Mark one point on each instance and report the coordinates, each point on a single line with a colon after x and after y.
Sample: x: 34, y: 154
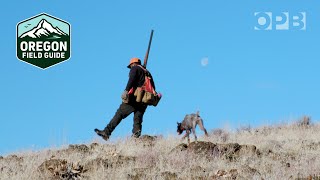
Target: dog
x: 189, y: 124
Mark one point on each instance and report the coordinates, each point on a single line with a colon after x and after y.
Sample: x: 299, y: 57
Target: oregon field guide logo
x: 43, y: 40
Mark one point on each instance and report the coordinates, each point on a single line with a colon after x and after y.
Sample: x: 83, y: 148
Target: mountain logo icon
x: 43, y: 41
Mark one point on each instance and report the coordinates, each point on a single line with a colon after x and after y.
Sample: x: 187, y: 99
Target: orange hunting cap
x: 134, y: 60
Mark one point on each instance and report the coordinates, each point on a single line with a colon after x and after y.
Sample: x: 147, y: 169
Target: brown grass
x: 288, y: 151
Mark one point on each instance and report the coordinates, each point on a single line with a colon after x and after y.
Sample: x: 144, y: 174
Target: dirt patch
x: 244, y: 172
x: 313, y: 146
x: 94, y: 145
x: 13, y: 158
x: 169, y: 175
x: 249, y: 172
x: 180, y: 147
x: 227, y: 151
x: 147, y: 140
x: 79, y: 148
x: 75, y: 148
x: 97, y: 163
x: 108, y: 163
x: 60, y: 169
x: 139, y: 173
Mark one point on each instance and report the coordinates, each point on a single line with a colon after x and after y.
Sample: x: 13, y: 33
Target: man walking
x: 129, y: 104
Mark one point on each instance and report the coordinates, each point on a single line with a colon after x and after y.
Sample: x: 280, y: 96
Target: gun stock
x: 148, y: 50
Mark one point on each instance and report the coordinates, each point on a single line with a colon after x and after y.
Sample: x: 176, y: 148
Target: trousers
x: 125, y: 110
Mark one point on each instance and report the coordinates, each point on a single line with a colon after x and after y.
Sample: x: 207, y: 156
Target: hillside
x: 286, y: 151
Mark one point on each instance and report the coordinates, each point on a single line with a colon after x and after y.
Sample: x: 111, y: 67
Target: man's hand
x: 125, y: 96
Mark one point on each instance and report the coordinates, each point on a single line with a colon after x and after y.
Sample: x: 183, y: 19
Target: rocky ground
x: 288, y: 151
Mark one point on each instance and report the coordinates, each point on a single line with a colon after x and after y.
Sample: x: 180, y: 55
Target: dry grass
x: 287, y: 151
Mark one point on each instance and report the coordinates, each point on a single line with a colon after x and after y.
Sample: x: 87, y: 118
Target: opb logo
x: 280, y: 21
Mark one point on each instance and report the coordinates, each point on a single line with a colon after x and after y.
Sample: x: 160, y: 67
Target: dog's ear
x: 198, y: 113
x: 177, y: 122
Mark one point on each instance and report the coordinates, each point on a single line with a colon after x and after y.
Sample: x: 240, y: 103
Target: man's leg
x: 137, y: 120
x: 123, y: 111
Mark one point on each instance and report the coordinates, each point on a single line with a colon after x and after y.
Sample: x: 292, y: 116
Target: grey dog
x: 189, y: 123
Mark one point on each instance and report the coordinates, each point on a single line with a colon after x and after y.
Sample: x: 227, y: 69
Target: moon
x: 204, y: 61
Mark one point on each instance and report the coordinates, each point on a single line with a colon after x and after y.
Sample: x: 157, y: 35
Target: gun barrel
x: 148, y: 50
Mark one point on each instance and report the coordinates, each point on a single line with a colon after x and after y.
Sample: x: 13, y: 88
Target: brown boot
x: 136, y: 134
x: 102, y: 134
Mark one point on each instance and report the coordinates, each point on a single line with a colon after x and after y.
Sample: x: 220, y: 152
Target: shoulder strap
x: 142, y: 68
x: 145, y: 70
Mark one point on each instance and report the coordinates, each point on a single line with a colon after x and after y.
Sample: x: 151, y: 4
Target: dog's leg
x: 202, y: 128
x: 187, y: 134
x: 184, y: 136
x: 194, y: 133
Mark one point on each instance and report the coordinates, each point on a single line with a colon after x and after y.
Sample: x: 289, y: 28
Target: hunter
x: 129, y: 103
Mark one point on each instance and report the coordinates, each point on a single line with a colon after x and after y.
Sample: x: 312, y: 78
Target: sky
x: 206, y: 56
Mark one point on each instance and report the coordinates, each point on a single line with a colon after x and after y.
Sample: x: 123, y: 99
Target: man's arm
x: 132, y: 78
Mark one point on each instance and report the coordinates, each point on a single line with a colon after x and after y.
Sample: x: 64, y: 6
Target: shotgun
x: 148, y: 50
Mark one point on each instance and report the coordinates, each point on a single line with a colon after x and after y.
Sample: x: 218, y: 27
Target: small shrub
x: 220, y: 134
x: 305, y: 121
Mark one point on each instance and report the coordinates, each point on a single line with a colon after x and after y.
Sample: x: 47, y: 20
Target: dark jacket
x: 136, y: 78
